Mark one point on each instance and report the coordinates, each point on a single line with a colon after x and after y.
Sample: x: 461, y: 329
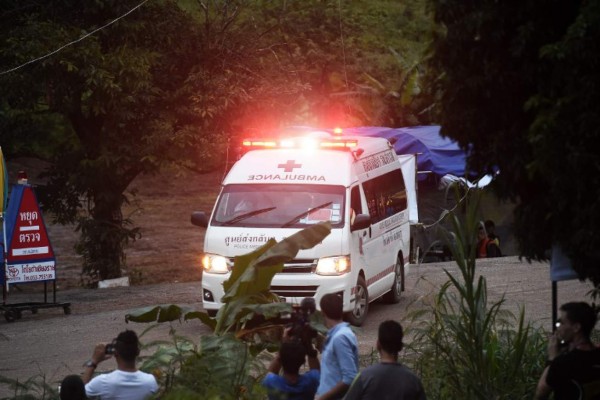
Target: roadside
x: 52, y: 344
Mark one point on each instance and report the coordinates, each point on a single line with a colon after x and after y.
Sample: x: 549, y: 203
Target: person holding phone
x: 573, y: 370
x: 126, y: 382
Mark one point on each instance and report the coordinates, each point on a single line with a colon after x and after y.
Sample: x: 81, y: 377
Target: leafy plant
x: 466, y: 346
x: 230, y: 362
x: 34, y: 388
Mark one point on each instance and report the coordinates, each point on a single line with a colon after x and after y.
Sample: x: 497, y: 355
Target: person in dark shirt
x: 389, y: 379
x: 574, y: 361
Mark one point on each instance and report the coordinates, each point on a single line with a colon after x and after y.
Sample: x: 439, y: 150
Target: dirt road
x: 53, y: 344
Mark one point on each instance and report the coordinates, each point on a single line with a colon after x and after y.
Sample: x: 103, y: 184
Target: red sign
x: 29, y: 240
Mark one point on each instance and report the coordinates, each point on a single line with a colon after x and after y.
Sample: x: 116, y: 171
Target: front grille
x: 299, y: 266
x: 294, y: 291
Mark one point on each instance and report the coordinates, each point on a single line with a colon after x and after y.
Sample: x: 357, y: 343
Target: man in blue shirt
x: 292, y: 385
x: 339, y: 358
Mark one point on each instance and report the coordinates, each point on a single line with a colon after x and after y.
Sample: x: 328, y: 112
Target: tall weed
x: 466, y: 346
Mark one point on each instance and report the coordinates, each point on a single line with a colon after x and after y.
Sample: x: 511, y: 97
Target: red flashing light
x: 339, y: 144
x: 259, y: 143
x: 337, y: 131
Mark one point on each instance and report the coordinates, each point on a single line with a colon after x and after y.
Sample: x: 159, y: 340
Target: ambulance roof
x: 304, y: 165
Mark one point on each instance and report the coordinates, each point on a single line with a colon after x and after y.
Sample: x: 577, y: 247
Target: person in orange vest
x: 486, y: 247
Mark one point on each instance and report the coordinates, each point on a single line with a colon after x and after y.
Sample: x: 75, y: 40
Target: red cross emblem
x: 289, y: 166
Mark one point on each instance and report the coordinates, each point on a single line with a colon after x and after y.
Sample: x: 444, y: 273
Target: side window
x: 355, y: 202
x: 386, y: 195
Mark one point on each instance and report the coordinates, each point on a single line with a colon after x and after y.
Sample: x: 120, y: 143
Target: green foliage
x: 564, y: 136
x: 518, y: 87
x: 34, y: 388
x: 466, y: 346
x: 177, y: 82
x: 101, y: 245
x: 229, y: 363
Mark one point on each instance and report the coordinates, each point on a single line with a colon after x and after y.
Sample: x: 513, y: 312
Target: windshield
x: 279, y: 206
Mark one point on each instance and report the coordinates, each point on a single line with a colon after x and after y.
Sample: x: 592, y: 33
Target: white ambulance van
x: 281, y: 186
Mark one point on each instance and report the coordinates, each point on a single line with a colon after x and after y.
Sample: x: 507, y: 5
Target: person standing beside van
x: 339, y: 358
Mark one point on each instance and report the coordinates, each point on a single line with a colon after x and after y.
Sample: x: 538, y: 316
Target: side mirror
x: 199, y: 218
x: 361, y: 221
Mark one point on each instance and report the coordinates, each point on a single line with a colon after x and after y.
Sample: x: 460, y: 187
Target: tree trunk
x: 103, y: 236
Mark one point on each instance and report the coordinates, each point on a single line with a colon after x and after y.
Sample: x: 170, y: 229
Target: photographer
x: 292, y: 385
x: 126, y: 382
x: 573, y: 370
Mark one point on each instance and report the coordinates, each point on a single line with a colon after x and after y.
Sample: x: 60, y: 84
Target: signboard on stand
x: 30, y: 257
x: 29, y: 254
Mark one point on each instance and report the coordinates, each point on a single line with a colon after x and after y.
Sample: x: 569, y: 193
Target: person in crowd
x: 573, y: 370
x: 486, y: 248
x: 389, y: 379
x: 292, y: 385
x: 126, y: 382
x: 339, y: 358
x: 490, y: 228
x: 72, y: 388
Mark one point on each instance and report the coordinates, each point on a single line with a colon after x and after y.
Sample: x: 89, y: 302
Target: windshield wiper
x: 247, y: 215
x: 304, y: 214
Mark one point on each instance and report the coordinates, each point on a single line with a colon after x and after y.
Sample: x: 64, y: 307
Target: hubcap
x: 360, y: 302
x: 398, y: 279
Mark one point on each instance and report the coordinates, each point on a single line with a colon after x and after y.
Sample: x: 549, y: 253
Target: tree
x: 517, y: 90
x: 119, y: 97
x: 171, y: 82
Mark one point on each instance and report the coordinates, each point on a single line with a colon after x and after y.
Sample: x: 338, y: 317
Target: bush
x: 464, y: 346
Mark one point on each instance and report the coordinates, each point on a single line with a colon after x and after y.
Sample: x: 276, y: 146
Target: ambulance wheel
x: 361, y: 303
x: 18, y: 314
x: 9, y: 315
x: 393, y: 296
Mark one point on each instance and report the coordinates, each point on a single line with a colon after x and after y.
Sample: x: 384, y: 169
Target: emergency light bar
x: 338, y: 144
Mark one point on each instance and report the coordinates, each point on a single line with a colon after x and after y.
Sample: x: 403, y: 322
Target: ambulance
x: 281, y: 186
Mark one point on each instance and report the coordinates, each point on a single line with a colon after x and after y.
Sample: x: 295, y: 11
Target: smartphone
x: 109, y: 349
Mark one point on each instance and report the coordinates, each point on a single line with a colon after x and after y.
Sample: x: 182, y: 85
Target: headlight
x: 215, y: 264
x: 333, y: 265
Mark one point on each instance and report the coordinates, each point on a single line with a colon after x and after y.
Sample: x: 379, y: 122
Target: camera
x: 109, y: 348
x: 300, y: 328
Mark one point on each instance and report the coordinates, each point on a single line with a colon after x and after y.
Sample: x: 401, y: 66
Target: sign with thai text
x: 31, y: 272
x: 29, y: 239
x: 29, y: 254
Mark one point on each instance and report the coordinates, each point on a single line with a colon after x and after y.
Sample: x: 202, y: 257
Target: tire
x: 9, y: 316
x: 67, y: 310
x: 393, y: 296
x: 361, y: 304
x: 212, y: 313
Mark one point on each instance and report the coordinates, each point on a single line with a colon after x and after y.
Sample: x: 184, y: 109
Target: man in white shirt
x: 124, y: 383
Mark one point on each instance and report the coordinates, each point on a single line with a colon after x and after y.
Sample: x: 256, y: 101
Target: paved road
x: 53, y: 344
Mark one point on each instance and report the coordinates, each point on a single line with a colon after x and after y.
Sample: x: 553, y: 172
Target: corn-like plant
x: 465, y: 346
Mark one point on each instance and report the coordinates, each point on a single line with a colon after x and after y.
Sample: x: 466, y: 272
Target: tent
x: 439, y: 155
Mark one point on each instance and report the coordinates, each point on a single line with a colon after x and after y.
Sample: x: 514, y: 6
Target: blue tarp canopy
x: 435, y: 153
